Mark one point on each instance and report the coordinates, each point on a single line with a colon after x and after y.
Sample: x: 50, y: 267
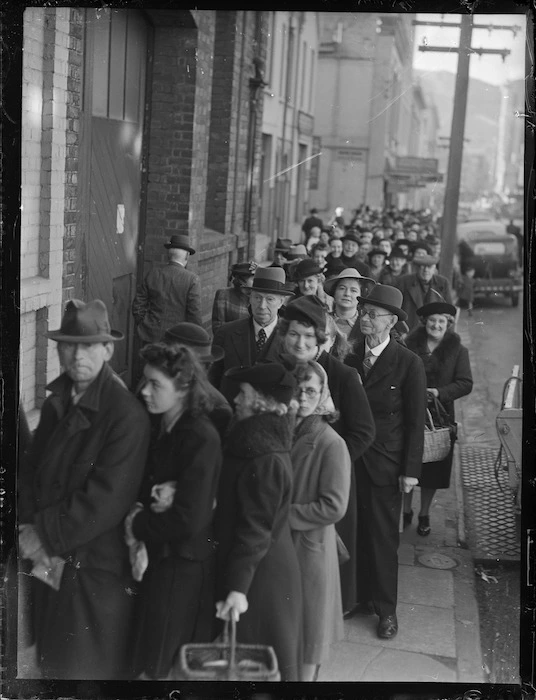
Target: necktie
x: 367, y: 362
x: 261, y: 339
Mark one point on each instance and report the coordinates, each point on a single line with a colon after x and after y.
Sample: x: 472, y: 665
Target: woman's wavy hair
x: 303, y: 372
x: 267, y: 404
x: 342, y: 346
x: 284, y: 324
x: 181, y: 364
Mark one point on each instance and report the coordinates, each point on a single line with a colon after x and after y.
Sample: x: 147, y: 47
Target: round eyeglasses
x: 372, y: 314
x: 308, y: 391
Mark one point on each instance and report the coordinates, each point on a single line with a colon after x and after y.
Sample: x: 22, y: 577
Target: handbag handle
x: 432, y: 427
x: 442, y: 414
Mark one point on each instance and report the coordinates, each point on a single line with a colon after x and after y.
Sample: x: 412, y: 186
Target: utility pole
x: 452, y: 189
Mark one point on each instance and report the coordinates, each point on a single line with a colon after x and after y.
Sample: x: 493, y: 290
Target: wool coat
x: 230, y: 304
x: 256, y: 555
x: 396, y: 390
x: 167, y: 295
x: 82, y: 476
x: 321, y: 489
x: 176, y: 597
x: 237, y: 339
x: 414, y: 298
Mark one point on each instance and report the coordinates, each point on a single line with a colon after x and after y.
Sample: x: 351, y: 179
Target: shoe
x: 423, y: 528
x: 366, y: 608
x: 408, y: 517
x: 387, y: 627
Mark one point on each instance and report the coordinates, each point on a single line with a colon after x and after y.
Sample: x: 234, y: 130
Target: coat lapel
x: 415, y: 292
x: 382, y: 366
x: 241, y: 340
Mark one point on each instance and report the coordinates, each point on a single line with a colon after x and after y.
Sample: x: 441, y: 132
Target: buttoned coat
x: 396, y: 391
x: 82, y: 477
x: 321, y: 488
x: 176, y: 597
x: 237, y: 339
x: 413, y: 297
x: 256, y: 555
x: 168, y: 295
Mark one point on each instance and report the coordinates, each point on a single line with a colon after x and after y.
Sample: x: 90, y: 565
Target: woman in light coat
x: 321, y: 487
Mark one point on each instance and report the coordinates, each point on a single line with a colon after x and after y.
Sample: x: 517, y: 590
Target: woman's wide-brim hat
x: 85, y: 323
x: 348, y: 273
x: 305, y: 268
x: 195, y: 337
x: 270, y: 279
x: 386, y: 297
x: 270, y: 378
x: 436, y: 307
x: 180, y: 241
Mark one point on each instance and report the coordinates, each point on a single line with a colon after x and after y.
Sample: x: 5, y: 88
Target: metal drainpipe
x: 287, y: 81
x: 237, y: 141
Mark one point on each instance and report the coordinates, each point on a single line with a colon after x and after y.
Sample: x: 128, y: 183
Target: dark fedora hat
x: 386, y: 297
x: 282, y: 245
x: 244, y: 269
x: 347, y: 273
x: 270, y: 378
x: 85, y: 323
x: 305, y: 268
x: 194, y: 337
x: 308, y: 309
x: 351, y: 236
x: 397, y: 252
x: 270, y: 279
x: 179, y: 241
x: 377, y: 251
x: 436, y: 307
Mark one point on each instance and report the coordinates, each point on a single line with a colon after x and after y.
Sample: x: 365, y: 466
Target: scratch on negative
x: 390, y: 104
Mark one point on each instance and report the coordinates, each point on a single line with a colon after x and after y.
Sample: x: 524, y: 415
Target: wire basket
x: 228, y: 661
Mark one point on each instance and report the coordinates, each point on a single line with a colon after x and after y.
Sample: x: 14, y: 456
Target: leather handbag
x: 437, y: 439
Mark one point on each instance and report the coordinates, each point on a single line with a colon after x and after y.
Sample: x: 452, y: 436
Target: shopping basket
x: 228, y: 661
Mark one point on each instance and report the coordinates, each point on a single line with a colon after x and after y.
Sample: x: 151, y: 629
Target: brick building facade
x: 135, y: 125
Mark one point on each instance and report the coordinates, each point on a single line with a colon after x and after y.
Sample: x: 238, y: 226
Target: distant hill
x: 483, y: 106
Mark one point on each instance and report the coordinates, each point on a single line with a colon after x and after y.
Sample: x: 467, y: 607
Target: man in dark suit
x: 395, y: 384
x: 422, y: 287
x: 168, y: 295
x: 253, y: 339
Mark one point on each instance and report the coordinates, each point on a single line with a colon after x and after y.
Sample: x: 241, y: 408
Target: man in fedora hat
x: 350, y: 250
x: 78, y: 483
x: 196, y: 338
x: 395, y: 384
x: 345, y: 289
x: 168, y: 294
x: 250, y: 340
x: 422, y: 286
x: 281, y: 250
x: 232, y: 303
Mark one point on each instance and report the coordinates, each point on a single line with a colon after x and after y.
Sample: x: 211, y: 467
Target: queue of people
x: 258, y: 475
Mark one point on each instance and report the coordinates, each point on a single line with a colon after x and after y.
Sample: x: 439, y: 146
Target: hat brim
x: 399, y: 313
x: 99, y: 338
x: 331, y: 284
x: 269, y: 290
x: 180, y: 247
x: 216, y: 353
x: 425, y: 260
x: 436, y: 307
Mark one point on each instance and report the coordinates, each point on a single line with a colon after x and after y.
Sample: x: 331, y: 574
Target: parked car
x: 494, y: 254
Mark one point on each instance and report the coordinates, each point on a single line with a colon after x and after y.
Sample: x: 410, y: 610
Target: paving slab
x: 405, y: 666
x: 347, y: 662
x: 419, y: 585
x: 406, y: 554
x: 422, y: 629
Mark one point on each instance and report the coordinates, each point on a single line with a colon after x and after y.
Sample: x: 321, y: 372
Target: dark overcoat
x: 176, y: 601
x: 413, y: 297
x: 237, y: 338
x: 83, y: 474
x: 167, y: 295
x: 256, y: 555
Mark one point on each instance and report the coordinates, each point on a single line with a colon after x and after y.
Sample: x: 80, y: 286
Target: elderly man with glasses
x: 395, y: 384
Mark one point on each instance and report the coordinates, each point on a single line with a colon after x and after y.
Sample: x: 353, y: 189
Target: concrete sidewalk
x: 439, y: 636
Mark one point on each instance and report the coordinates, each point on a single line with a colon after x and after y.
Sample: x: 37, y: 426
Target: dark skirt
x: 176, y: 607
x: 436, y: 475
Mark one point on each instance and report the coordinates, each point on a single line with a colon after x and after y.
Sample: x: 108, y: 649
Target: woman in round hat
x: 448, y: 376
x: 308, y: 276
x: 258, y: 580
x: 345, y: 289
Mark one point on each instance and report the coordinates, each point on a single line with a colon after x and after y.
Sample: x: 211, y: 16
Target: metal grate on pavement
x: 490, y: 521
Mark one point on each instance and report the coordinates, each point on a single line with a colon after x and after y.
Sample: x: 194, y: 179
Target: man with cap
x: 232, y: 303
x: 168, y: 294
x: 250, y: 340
x: 350, y: 248
x: 395, y: 384
x: 79, y: 482
x: 196, y: 338
x: 421, y: 287
x: 345, y: 289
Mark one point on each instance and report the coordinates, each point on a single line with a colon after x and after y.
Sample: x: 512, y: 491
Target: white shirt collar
x: 377, y: 351
x: 267, y: 329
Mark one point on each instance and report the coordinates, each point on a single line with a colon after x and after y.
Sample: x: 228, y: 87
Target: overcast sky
x: 489, y: 68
